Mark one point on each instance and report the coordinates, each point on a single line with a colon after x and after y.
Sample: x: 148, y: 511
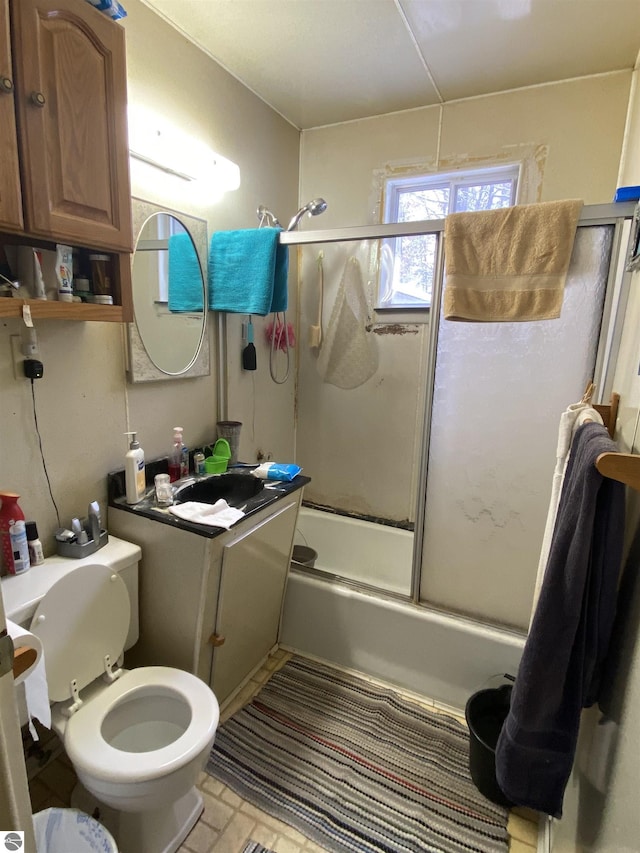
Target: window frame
x: 395, y: 187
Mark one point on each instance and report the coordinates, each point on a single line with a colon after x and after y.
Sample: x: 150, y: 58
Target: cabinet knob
x: 6, y: 85
x: 216, y: 640
x: 38, y: 99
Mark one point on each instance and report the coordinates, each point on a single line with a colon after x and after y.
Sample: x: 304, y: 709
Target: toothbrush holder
x: 77, y: 551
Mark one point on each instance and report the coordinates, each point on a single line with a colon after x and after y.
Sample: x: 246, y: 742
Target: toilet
x: 137, y: 739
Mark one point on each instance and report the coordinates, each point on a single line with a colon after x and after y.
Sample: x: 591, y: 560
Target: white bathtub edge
x: 431, y: 654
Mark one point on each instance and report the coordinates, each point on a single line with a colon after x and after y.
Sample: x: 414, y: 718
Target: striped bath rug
x: 355, y: 767
x: 254, y: 847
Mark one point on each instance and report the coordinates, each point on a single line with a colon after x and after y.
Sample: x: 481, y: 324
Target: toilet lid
x: 83, y: 617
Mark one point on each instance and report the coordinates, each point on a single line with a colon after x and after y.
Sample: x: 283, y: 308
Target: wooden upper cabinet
x: 71, y: 99
x: 10, y: 198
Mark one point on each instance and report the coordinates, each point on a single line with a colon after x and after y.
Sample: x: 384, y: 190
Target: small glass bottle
x: 36, y: 554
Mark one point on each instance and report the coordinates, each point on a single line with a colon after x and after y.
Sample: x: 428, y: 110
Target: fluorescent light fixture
x: 156, y: 142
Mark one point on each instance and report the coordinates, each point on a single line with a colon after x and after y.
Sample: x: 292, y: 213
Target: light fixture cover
x: 155, y: 141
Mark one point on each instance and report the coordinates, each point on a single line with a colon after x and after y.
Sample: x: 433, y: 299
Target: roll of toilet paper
x: 33, y: 679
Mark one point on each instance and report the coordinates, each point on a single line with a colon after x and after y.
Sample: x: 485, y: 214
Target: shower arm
x: 267, y: 219
x: 314, y: 208
x: 296, y: 219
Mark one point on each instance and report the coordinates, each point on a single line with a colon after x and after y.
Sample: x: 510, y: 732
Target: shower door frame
x: 615, y: 301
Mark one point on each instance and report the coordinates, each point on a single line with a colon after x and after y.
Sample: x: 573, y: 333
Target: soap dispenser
x: 134, y: 474
x: 179, y: 457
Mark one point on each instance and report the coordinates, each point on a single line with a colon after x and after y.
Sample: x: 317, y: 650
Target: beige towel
x: 509, y: 264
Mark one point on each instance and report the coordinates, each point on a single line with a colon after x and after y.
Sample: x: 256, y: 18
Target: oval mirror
x: 168, y: 294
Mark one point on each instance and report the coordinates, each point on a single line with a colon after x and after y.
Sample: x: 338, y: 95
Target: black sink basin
x: 236, y: 489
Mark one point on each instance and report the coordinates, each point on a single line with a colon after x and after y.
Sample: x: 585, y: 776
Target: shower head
x: 314, y: 207
x: 264, y: 213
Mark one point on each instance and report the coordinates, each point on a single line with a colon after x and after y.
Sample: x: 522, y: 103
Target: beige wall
x: 568, y: 136
x: 82, y: 400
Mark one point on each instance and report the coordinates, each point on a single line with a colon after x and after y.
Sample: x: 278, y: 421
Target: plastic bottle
x: 134, y: 473
x: 19, y: 547
x: 36, y: 554
x: 10, y: 512
x: 179, y: 457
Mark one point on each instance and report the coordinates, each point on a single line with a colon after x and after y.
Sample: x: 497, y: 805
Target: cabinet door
x: 71, y: 97
x: 252, y: 582
x: 10, y: 198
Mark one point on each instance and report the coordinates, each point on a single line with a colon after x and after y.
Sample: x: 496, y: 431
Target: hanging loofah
x: 280, y: 336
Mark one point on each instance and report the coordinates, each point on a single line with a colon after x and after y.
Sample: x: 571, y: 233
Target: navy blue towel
x: 561, y: 665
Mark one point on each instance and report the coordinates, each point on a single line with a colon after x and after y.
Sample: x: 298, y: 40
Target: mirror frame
x: 140, y: 368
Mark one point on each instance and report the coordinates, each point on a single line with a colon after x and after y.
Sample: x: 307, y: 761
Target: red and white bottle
x: 10, y: 512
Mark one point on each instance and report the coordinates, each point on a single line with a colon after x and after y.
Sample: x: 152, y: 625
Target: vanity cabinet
x: 64, y: 171
x: 211, y: 606
x: 253, y: 571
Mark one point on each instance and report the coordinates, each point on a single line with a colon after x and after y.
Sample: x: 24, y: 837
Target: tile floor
x: 228, y: 821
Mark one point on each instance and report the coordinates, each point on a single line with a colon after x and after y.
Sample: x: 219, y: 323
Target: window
x: 407, y: 264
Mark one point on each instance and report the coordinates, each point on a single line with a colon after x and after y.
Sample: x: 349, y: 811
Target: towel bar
x: 624, y: 467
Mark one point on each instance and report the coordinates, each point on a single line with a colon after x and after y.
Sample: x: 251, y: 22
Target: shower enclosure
x: 447, y: 450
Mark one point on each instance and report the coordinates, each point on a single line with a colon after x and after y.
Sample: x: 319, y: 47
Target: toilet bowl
x: 140, y: 743
x: 137, y: 739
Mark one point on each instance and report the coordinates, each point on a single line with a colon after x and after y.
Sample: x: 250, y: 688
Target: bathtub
x: 374, y: 554
x: 437, y: 655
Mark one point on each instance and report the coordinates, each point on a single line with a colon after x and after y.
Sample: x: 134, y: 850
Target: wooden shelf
x: 44, y: 310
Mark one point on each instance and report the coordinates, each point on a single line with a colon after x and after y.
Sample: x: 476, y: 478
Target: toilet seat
x: 92, y: 754
x: 82, y: 621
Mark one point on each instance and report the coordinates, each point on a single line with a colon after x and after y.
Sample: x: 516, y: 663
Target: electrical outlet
x: 17, y: 356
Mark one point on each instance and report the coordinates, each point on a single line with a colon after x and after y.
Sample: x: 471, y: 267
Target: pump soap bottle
x: 134, y: 471
x: 179, y: 457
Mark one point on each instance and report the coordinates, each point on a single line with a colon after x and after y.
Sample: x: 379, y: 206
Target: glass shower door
x: 498, y: 394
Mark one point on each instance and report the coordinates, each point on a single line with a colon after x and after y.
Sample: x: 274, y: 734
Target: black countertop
x: 271, y: 492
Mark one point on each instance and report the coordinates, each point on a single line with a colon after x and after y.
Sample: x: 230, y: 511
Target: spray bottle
x: 10, y: 514
x: 134, y: 473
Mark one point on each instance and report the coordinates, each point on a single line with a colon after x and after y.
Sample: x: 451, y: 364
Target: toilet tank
x: 22, y: 593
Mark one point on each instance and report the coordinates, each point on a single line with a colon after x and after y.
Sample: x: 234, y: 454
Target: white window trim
x: 394, y: 186
x: 442, y: 180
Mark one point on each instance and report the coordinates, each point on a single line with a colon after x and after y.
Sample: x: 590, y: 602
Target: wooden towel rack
x: 624, y: 467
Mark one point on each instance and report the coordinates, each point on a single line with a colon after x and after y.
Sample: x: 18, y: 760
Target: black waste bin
x: 486, y: 711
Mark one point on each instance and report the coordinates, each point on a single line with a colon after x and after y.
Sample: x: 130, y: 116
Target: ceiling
x: 318, y: 62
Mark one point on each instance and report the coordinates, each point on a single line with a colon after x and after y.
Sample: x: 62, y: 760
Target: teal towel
x: 186, y: 289
x: 248, y: 271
